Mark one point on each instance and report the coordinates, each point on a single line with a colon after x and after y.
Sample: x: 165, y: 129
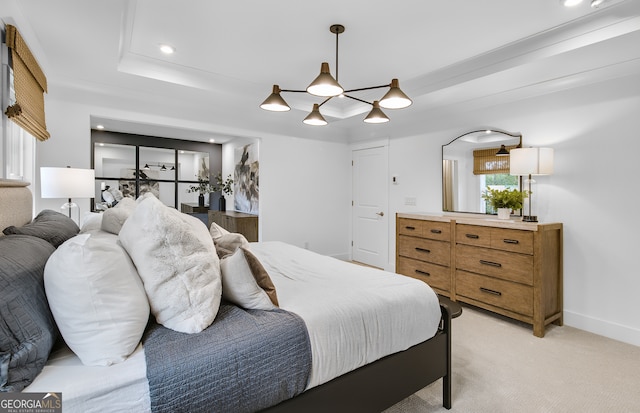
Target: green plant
x: 203, y: 187
x: 504, y: 198
x: 226, y: 186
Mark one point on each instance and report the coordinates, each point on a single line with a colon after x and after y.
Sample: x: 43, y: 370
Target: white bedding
x: 351, y: 312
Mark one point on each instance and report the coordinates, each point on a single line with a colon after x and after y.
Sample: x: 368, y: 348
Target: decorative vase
x: 201, y: 200
x: 222, y: 204
x: 504, y: 213
x: 212, y: 200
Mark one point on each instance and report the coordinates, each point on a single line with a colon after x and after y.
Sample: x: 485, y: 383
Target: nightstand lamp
x: 528, y: 162
x: 67, y: 183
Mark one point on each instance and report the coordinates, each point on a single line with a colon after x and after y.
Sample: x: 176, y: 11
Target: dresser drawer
x: 437, y: 252
x: 412, y: 227
x: 512, y: 240
x: 437, y: 230
x: 473, y: 235
x: 435, y: 275
x: 500, y: 264
x: 504, y: 294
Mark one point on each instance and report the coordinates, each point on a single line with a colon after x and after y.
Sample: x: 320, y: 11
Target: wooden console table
x: 232, y: 221
x: 191, y: 208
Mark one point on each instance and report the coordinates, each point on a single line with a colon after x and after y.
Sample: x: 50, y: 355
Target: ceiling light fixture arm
x: 359, y: 100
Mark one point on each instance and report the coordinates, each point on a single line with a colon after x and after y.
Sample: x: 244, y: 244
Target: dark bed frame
x: 383, y: 383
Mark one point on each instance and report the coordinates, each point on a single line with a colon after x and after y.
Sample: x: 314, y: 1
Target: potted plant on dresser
x: 226, y: 188
x: 203, y: 187
x: 504, y: 201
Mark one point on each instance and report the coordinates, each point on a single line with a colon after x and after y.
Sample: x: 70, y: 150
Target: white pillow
x: 96, y: 298
x: 91, y: 221
x: 177, y: 262
x: 114, y: 218
x: 240, y: 281
x: 217, y: 231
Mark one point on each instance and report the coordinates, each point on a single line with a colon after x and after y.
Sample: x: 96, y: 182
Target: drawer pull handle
x: 472, y: 236
x: 423, y: 250
x: 491, y: 263
x: 423, y: 273
x: 492, y: 292
x: 511, y: 241
x: 410, y: 228
x: 436, y: 231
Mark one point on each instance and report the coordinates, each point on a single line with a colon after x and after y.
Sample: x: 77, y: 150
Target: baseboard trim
x: 602, y: 327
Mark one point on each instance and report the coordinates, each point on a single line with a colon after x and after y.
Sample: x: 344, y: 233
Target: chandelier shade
x: 315, y: 118
x: 274, y: 102
x: 376, y: 115
x: 395, y: 98
x: 326, y: 86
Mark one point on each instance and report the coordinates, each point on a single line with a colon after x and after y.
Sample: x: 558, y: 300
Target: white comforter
x: 354, y: 315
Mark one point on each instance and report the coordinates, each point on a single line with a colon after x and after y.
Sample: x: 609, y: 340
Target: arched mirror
x: 473, y: 161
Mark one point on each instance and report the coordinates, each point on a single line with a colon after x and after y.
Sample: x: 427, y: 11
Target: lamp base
x: 530, y: 218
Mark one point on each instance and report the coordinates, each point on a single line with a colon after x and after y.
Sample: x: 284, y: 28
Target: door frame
x: 371, y: 145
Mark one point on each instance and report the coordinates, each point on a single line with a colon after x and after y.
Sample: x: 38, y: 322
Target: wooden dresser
x: 232, y: 221
x: 508, y: 267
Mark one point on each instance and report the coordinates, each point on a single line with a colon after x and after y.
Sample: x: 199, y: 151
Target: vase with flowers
x: 203, y: 187
x: 225, y: 186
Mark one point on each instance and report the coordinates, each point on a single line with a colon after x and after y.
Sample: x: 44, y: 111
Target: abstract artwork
x: 246, y: 179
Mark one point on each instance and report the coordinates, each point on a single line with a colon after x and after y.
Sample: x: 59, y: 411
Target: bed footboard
x: 379, y: 385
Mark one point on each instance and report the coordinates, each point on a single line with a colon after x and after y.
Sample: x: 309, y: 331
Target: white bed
x: 363, y: 324
x: 346, y: 307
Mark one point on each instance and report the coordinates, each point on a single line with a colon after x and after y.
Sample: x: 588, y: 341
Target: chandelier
x: 326, y: 86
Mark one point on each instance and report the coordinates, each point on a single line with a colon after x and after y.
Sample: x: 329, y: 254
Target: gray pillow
x: 27, y: 328
x: 49, y: 225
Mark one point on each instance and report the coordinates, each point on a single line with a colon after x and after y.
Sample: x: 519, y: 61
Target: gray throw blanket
x: 246, y: 361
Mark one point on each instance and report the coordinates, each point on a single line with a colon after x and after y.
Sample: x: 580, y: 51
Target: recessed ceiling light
x: 212, y: 140
x: 167, y: 49
x: 99, y: 126
x: 101, y: 144
x: 570, y: 3
x: 596, y: 3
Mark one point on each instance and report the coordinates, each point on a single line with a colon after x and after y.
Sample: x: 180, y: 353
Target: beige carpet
x: 499, y: 366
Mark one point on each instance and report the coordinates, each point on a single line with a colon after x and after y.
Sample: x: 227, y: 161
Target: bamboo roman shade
x: 29, y: 84
x: 486, y: 162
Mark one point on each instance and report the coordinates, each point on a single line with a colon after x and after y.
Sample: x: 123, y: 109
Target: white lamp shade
x: 67, y: 183
x: 531, y: 161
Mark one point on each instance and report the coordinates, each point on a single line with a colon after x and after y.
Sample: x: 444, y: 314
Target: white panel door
x: 370, y: 203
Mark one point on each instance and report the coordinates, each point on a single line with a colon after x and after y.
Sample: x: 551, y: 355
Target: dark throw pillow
x: 49, y: 225
x: 27, y: 328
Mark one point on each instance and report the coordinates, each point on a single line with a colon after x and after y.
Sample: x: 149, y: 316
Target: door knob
x: 381, y: 213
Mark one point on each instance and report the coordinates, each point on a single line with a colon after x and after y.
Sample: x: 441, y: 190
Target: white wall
x: 305, y: 194
x: 593, y: 192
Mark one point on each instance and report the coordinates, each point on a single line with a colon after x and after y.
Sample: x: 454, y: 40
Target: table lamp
x: 67, y: 183
x: 528, y: 162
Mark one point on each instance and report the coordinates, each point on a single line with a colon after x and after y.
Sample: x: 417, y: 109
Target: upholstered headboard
x: 16, y: 203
